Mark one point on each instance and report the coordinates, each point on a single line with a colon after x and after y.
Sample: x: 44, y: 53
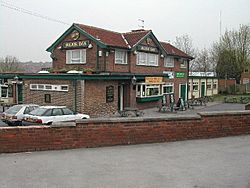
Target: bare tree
x: 185, y: 44
x: 9, y: 64
x: 232, y: 53
x: 202, y: 61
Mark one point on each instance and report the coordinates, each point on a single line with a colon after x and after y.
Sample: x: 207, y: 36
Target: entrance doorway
x: 183, y: 91
x: 120, y: 97
x: 203, y: 89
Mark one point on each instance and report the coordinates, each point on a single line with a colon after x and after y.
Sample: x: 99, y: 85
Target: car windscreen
x: 13, y: 109
x: 38, y: 111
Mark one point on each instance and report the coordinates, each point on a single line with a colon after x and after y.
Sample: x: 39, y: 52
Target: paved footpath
x: 212, y: 163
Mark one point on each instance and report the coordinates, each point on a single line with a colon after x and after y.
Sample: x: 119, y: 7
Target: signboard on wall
x: 75, y: 44
x: 153, y: 79
x: 246, y: 80
x: 109, y: 93
x: 169, y: 73
x: 180, y: 74
x: 148, y: 49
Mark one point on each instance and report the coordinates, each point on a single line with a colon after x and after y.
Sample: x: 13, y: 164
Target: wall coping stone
x: 26, y: 127
x: 140, y: 119
x: 226, y: 113
x: 63, y: 124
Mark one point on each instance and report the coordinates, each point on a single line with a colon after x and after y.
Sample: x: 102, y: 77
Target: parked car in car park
x: 51, y: 114
x: 15, y: 114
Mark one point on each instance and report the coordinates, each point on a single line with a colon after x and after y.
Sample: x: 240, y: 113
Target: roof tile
x: 135, y: 36
x: 106, y: 36
x: 170, y: 49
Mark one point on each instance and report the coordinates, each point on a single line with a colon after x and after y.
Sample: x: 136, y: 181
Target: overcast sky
x: 27, y: 37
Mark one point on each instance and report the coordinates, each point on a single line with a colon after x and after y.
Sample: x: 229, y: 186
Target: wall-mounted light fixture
x: 162, y: 56
x: 52, y: 55
x: 133, y: 80
x: 135, y: 52
x: 100, y: 53
x: 90, y: 46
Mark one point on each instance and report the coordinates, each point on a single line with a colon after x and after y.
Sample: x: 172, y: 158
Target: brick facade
x: 57, y: 97
x: 90, y: 96
x: 96, y: 133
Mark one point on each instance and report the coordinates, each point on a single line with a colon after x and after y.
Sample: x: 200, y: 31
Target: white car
x: 15, y: 114
x: 50, y: 114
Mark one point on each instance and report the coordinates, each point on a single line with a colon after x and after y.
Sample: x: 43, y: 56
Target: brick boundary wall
x: 123, y: 131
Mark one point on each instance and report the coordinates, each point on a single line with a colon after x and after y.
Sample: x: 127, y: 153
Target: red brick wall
x: 95, y: 98
x: 57, y: 97
x: 228, y: 82
x: 95, y: 133
x: 60, y: 55
x: 109, y: 61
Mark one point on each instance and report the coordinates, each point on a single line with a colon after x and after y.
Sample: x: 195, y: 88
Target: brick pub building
x: 130, y: 69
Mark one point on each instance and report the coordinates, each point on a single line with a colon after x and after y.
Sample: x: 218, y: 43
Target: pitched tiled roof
x: 106, y: 36
x: 170, y: 49
x: 135, y: 36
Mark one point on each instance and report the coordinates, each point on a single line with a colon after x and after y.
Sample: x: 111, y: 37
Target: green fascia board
x: 79, y: 76
x: 8, y: 75
x: 147, y: 99
x: 68, y: 31
x: 75, y: 77
x: 154, y: 39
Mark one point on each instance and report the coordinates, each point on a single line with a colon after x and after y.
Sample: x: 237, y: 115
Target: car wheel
x: 49, y: 123
x: 84, y: 118
x: 9, y: 124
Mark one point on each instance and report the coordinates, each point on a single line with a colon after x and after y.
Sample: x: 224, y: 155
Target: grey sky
x: 27, y: 37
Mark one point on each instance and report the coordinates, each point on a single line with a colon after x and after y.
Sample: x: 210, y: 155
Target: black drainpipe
x: 97, y: 58
x: 75, y: 93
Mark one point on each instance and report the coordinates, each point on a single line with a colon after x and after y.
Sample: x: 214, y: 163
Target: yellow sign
x: 153, y: 79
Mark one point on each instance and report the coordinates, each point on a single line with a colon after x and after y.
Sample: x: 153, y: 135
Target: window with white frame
x: 183, y: 63
x: 148, y: 90
x: 215, y: 85
x: 4, y: 91
x: 195, y: 86
x: 147, y: 59
x: 76, y: 56
x: 49, y: 87
x: 168, y: 88
x: 169, y: 62
x: 120, y: 57
x: 209, y: 85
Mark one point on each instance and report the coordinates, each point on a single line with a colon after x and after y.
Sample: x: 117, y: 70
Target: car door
x: 57, y: 115
x: 68, y: 114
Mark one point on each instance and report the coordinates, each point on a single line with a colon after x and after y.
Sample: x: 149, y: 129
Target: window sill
x: 169, y: 66
x: 147, y: 99
x: 75, y: 63
x: 148, y: 65
x: 121, y: 63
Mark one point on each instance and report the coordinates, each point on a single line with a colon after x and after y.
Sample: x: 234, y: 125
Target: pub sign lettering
x: 109, y: 93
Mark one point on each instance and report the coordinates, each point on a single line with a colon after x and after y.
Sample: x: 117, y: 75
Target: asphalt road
x: 212, y: 163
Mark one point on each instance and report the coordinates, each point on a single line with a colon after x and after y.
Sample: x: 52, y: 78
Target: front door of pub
x: 120, y: 97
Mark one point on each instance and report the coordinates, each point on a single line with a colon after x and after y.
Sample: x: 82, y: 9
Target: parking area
x: 211, y: 163
x: 211, y: 106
